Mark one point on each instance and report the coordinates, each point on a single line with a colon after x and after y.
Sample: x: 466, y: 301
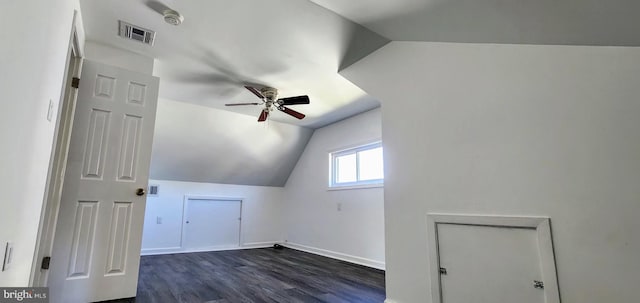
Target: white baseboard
x: 336, y: 255
x: 389, y: 301
x: 159, y: 251
x: 180, y: 250
x: 259, y: 244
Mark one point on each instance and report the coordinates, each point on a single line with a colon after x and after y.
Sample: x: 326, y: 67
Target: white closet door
x: 486, y: 264
x: 211, y: 224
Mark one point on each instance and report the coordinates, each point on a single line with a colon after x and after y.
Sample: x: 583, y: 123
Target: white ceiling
x: 298, y: 46
x: 293, y: 45
x: 566, y: 22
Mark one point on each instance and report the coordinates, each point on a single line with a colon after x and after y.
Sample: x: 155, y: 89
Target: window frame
x: 333, y: 172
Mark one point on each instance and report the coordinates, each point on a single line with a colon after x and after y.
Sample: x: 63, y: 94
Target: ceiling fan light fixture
x: 172, y: 17
x: 269, y: 98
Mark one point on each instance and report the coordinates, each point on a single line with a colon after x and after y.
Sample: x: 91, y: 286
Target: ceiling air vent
x: 133, y: 32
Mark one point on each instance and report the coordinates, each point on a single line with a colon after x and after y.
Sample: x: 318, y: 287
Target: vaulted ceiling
x: 298, y: 47
x: 292, y: 45
x: 567, y: 22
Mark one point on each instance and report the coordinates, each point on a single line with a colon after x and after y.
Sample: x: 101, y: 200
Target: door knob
x: 140, y: 192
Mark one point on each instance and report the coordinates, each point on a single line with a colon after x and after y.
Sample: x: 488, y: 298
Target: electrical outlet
x: 50, y: 110
x: 8, y: 256
x: 158, y: 220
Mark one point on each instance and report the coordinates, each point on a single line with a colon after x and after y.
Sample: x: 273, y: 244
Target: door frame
x: 542, y: 225
x: 213, y: 198
x: 58, y: 158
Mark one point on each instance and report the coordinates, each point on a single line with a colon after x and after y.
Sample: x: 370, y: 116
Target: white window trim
x: 352, y: 185
x: 361, y: 186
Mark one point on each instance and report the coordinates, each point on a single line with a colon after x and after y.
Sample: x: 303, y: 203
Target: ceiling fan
x: 269, y: 98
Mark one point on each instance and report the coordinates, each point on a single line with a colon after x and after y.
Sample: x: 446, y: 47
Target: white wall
x: 35, y: 38
x: 261, y: 213
x: 512, y: 130
x: 314, y: 223
x: 118, y: 57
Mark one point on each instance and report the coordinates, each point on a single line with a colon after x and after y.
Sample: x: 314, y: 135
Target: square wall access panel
x: 488, y: 259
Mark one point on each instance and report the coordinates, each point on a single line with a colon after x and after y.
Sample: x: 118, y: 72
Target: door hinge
x: 538, y: 284
x: 75, y: 82
x: 46, y: 261
x: 443, y: 271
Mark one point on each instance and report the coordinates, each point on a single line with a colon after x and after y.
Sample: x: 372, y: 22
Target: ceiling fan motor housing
x: 270, y: 93
x: 269, y: 98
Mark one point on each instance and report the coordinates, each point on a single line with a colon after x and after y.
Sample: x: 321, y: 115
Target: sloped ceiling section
x: 567, y: 22
x: 202, y: 144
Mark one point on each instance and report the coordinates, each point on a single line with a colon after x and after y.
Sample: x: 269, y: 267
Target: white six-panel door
x: 96, y: 251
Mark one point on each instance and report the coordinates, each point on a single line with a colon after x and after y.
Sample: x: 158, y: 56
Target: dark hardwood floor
x: 255, y: 275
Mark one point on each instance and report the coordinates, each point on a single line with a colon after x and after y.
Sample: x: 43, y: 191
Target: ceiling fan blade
x: 255, y: 91
x: 263, y: 115
x: 291, y: 112
x: 237, y: 104
x: 294, y: 100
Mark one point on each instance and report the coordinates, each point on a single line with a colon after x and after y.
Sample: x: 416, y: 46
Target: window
x: 357, y: 167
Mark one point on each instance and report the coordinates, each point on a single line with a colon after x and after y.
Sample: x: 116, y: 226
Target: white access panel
x: 487, y: 264
x: 211, y: 224
x: 497, y: 259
